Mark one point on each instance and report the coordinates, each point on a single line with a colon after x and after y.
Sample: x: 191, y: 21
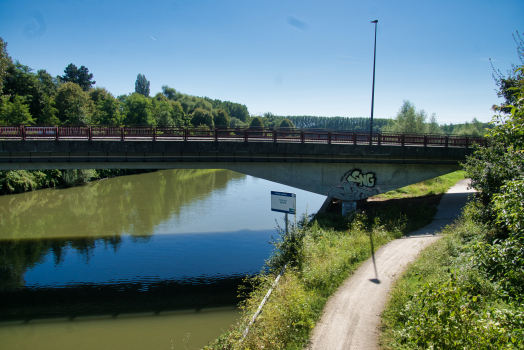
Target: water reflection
x: 168, y: 240
x: 133, y: 205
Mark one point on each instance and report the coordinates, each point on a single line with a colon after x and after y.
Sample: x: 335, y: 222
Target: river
x: 150, y: 261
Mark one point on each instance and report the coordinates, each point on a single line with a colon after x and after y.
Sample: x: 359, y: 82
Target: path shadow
x: 374, y: 280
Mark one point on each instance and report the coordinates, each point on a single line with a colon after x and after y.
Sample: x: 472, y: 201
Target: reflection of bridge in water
x: 327, y: 162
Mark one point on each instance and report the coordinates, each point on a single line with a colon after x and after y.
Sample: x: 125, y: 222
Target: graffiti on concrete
x: 355, y: 186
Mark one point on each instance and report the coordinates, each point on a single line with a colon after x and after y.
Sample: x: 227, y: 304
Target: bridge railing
x: 279, y: 135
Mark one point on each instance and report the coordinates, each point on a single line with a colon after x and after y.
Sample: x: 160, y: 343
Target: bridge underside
x: 347, y: 172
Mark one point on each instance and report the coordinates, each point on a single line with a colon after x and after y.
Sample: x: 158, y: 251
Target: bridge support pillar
x: 348, y: 207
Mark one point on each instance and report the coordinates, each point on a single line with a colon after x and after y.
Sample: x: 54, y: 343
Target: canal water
x: 150, y: 261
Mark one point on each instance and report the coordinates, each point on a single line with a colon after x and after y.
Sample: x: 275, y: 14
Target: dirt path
x: 352, y: 316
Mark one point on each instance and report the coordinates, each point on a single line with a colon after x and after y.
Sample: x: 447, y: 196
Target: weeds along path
x: 351, y: 317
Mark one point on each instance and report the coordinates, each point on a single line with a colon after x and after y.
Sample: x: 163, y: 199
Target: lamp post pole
x: 373, y: 87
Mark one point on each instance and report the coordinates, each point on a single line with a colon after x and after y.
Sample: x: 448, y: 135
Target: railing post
x: 121, y: 133
x: 379, y: 139
x: 446, y: 141
x: 403, y: 139
x: 22, y: 132
x: 467, y: 143
x: 216, y: 134
x: 329, y: 137
x: 245, y: 135
x: 56, y: 133
x: 154, y: 133
x: 425, y: 140
x: 90, y: 134
x: 302, y: 137
x: 275, y: 135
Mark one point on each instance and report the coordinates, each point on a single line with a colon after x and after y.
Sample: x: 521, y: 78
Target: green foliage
x: 73, y: 104
x: 24, y: 180
x: 48, y: 84
x: 107, y: 109
x: 475, y: 128
x: 142, y: 85
x: 236, y: 123
x: 49, y: 112
x: 16, y: 112
x: 461, y: 293
x: 286, y: 123
x: 201, y: 117
x: 169, y: 92
x: 73, y: 177
x: 5, y: 62
x: 256, y: 122
x: 138, y: 110
x: 222, y: 118
x: 508, y: 205
x: 409, y: 120
x: 80, y: 76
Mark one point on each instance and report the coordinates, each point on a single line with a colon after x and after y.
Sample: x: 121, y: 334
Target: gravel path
x: 351, y: 317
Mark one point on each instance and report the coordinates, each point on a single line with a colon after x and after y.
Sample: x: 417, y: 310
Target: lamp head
x: 375, y: 21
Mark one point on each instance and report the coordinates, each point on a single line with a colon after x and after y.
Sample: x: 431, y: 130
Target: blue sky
x: 286, y: 57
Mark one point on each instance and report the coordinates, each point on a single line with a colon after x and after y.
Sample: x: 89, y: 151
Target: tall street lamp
x: 373, y: 88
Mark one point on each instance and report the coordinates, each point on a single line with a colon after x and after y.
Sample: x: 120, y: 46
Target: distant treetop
x: 78, y: 76
x: 142, y: 85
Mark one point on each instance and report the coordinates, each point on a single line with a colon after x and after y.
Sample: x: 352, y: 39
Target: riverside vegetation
x: 467, y: 290
x: 321, y: 252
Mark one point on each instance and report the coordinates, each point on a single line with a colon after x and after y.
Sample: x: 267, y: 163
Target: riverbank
x: 321, y: 252
x: 19, y: 181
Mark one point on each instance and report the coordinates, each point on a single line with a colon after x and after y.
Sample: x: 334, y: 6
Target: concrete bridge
x: 337, y: 165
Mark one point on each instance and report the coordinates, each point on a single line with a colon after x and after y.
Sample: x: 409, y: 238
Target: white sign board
x: 283, y: 202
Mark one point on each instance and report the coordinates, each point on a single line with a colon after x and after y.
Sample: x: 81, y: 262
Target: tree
x: 169, y: 92
x: 106, y: 107
x: 49, y: 112
x: 142, y: 85
x: 73, y: 104
x: 286, y: 123
x: 256, y: 122
x: 16, y: 112
x: 84, y: 78
x: 236, y: 123
x: 222, y: 118
x: 202, y: 117
x: 70, y: 74
x: 47, y: 82
x: 408, y: 120
x: 499, y: 166
x: 81, y: 76
x: 139, y: 110
x: 5, y: 62
x: 162, y: 110
x: 433, y: 127
x: 178, y: 115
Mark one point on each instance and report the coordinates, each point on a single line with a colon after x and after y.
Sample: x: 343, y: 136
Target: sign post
x: 284, y: 202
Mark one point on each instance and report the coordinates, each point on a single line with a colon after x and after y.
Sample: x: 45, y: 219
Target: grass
x: 321, y: 252
x: 445, y: 300
x: 436, y: 186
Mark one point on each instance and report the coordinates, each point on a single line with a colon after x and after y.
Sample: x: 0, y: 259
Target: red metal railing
x: 278, y: 135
